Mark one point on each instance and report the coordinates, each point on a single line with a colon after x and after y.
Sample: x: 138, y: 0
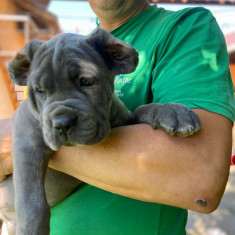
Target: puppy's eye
x: 39, y: 90
x: 86, y: 82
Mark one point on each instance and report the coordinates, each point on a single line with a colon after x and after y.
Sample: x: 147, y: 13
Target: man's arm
x: 141, y: 163
x: 5, y: 149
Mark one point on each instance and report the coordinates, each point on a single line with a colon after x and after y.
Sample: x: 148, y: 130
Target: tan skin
x: 150, y: 165
x: 5, y: 148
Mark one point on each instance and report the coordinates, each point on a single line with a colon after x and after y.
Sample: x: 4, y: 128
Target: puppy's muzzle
x: 64, y: 123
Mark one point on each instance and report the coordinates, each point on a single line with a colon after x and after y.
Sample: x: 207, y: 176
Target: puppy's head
x: 70, y: 81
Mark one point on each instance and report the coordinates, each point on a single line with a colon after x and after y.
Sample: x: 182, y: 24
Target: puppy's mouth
x: 70, y: 144
x: 93, y: 137
x: 70, y: 126
x: 88, y: 136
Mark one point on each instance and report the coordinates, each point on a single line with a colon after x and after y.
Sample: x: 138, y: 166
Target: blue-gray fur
x: 70, y: 101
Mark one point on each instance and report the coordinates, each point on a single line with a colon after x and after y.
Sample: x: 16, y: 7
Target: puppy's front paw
x: 175, y: 119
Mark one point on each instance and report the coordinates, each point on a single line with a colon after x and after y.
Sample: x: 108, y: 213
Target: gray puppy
x: 70, y: 81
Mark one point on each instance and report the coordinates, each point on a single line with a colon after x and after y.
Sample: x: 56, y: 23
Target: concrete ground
x: 221, y: 221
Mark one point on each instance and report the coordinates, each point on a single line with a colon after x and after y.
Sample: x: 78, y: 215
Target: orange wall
x: 10, y: 37
x: 6, y: 107
x: 232, y: 69
x: 10, y: 40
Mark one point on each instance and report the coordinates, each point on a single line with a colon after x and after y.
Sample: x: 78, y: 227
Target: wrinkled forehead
x: 66, y: 53
x: 83, y: 68
x: 66, y: 61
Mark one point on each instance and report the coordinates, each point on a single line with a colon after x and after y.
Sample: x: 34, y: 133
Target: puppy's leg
x: 176, y: 119
x: 119, y: 114
x: 30, y: 159
x: 32, y: 210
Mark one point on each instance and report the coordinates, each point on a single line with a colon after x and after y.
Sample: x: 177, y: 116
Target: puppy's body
x: 70, y: 83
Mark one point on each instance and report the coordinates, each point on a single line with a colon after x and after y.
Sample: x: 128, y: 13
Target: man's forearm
x: 5, y: 149
x: 138, y: 162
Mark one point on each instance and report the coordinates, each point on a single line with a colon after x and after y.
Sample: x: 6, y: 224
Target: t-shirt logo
x: 119, y: 82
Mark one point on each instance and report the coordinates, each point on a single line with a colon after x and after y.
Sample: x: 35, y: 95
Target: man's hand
x: 6, y: 166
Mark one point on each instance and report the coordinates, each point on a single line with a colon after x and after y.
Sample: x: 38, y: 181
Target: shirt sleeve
x: 193, y: 67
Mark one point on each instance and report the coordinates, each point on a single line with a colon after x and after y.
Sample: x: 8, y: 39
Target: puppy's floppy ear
x: 18, y: 67
x: 119, y: 57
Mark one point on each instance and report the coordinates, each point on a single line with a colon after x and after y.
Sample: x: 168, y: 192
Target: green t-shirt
x: 183, y: 59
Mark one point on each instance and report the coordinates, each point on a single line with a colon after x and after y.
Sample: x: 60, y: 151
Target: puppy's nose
x: 64, y: 123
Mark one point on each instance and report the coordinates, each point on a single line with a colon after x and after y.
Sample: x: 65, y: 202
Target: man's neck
x: 111, y: 23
